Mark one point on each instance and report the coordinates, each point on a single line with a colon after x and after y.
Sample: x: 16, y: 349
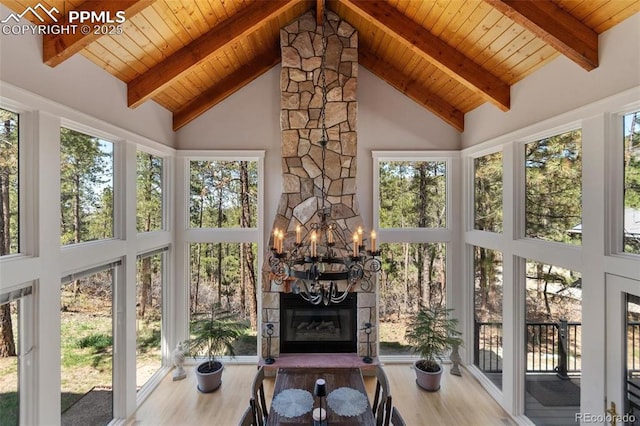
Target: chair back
x: 247, y: 417
x: 382, y: 399
x: 396, y: 418
x: 259, y: 401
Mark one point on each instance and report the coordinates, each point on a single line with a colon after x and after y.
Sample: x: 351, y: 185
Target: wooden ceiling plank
x: 394, y: 77
x: 56, y: 48
x: 558, y: 28
x: 451, y: 61
x: 177, y: 30
x: 148, y: 84
x: 226, y: 87
x: 319, y: 12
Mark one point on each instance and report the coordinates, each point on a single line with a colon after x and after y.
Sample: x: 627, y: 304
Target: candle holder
x: 368, y: 328
x: 320, y: 414
x: 269, y: 359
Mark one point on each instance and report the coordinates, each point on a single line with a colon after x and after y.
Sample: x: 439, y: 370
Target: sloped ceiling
x: 449, y: 56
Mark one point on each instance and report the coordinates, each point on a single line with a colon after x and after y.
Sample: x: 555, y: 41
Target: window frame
x: 520, y: 182
x: 615, y: 179
x: 165, y: 175
x: 471, y: 168
x: 118, y: 179
x: 415, y: 235
x: 27, y: 154
x: 185, y: 235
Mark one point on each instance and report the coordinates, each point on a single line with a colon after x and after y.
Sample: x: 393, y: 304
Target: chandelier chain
x: 324, y: 139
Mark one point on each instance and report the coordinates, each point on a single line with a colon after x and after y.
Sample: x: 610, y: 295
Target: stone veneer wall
x: 301, y: 105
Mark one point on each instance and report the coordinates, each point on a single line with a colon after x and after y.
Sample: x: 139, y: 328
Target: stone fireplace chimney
x: 301, y: 104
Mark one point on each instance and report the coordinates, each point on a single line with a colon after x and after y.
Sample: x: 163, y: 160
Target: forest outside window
x: 9, y: 200
x: 488, y: 192
x: 225, y: 274
x: 149, y: 315
x: 488, y: 299
x: 412, y: 194
x: 86, y: 187
x: 149, y: 192
x: 223, y: 194
x: 632, y: 182
x: 553, y: 188
x: 413, y: 275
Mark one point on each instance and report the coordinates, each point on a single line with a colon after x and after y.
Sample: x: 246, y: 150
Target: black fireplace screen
x: 306, y: 328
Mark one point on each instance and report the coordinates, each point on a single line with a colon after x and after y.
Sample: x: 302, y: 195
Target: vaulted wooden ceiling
x: 450, y: 56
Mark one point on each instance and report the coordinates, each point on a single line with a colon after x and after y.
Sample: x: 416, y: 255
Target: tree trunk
x: 145, y: 289
x: 7, y: 341
x: 219, y: 259
x: 247, y: 253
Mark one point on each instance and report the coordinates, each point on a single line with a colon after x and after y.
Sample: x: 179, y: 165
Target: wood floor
x: 460, y: 401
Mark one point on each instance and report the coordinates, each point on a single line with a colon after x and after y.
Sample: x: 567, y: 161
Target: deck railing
x: 633, y: 348
x: 551, y: 347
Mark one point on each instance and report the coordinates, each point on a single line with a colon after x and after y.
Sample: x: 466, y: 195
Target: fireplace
x: 307, y: 328
x: 302, y: 184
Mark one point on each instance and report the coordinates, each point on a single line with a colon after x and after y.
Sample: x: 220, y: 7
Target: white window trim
x: 615, y: 175
x: 415, y: 234
x: 185, y: 235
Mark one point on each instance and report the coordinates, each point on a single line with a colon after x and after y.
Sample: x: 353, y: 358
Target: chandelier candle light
x: 323, y: 265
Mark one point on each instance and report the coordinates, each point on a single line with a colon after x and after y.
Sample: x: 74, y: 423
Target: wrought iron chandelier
x: 323, y: 266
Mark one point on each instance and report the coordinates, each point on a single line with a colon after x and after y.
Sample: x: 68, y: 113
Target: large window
x: 553, y: 336
x: 413, y: 274
x: 488, y: 192
x: 412, y: 209
x: 149, y: 314
x: 9, y: 150
x: 86, y: 187
x: 487, y: 265
x: 148, y: 192
x: 225, y: 274
x: 86, y: 316
x: 553, y: 173
x: 223, y: 194
x: 632, y: 183
x: 413, y: 194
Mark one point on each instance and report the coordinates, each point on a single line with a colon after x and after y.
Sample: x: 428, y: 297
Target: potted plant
x: 432, y: 333
x: 213, y: 334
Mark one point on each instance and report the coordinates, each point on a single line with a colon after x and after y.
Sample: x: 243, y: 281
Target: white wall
x: 250, y: 119
x: 80, y: 84
x: 562, y: 86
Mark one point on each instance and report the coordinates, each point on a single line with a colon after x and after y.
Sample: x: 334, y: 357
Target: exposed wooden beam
x: 231, y: 84
x: 319, y: 12
x: 434, y: 50
x: 57, y: 48
x: 556, y: 27
x: 414, y: 90
x: 164, y: 73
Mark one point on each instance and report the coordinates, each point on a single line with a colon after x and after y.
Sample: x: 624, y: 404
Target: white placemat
x: 293, y: 402
x: 347, y: 402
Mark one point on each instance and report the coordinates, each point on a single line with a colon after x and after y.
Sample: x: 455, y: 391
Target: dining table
x: 346, y: 401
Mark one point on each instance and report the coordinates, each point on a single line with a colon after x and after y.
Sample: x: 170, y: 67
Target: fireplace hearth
x: 306, y: 328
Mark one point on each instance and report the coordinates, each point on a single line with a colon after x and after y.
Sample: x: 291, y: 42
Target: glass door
x: 623, y: 350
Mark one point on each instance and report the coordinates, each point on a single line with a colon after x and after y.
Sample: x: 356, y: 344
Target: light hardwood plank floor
x: 460, y: 401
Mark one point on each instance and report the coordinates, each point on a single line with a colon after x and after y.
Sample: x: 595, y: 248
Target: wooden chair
x: 396, y: 418
x: 382, y: 399
x: 247, y: 417
x: 258, y: 401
